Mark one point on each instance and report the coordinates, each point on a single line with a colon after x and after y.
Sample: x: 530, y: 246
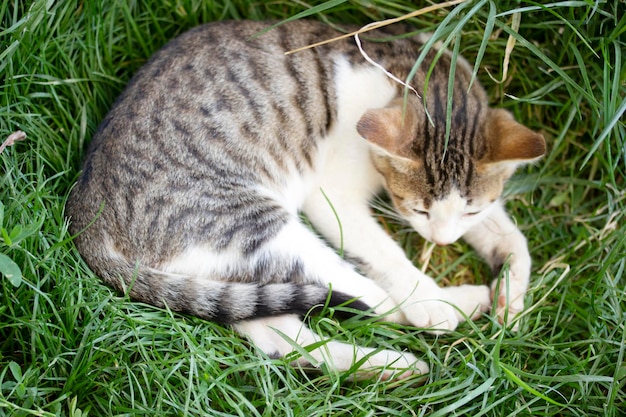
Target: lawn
x: 69, y: 346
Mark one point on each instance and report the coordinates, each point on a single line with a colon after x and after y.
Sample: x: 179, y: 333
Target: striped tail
x: 224, y: 302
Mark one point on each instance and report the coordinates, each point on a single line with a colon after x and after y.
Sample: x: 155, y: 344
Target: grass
x: 70, y: 347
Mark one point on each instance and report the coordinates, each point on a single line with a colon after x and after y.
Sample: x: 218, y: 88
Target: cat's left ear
x: 390, y: 128
x: 510, y: 144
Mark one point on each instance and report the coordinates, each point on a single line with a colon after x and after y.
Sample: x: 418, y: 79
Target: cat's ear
x: 509, y: 143
x: 390, y: 128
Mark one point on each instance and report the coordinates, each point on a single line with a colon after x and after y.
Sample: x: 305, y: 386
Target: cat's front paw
x: 471, y: 300
x: 509, y: 300
x: 508, y: 292
x: 442, y: 309
x: 429, y: 308
x: 434, y: 316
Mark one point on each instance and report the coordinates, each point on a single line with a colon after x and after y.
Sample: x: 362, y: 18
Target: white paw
x: 509, y: 301
x: 472, y: 300
x: 430, y: 309
x: 442, y: 309
x: 392, y: 365
x: 373, y: 363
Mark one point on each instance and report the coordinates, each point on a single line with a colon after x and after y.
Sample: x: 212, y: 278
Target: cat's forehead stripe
x: 448, y: 165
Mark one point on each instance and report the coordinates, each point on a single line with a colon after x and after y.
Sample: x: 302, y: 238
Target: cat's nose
x: 443, y: 236
x: 442, y: 242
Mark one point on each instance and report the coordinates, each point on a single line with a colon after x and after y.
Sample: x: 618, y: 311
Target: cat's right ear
x: 389, y: 128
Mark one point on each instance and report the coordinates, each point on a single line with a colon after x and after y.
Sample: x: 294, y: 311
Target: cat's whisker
x: 384, y: 210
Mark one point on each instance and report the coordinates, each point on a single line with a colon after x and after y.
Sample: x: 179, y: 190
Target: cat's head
x: 442, y: 189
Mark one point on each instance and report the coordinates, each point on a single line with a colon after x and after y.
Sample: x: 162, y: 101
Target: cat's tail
x: 226, y: 302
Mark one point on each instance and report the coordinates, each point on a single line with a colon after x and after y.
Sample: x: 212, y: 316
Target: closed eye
x: 421, y: 212
x: 472, y: 213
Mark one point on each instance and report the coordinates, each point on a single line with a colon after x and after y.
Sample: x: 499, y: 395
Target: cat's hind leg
x: 322, y: 265
x: 275, y: 336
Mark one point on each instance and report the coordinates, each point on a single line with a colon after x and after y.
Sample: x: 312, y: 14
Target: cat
x: 192, y: 189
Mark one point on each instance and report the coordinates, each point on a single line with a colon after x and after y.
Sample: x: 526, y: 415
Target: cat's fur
x: 193, y: 185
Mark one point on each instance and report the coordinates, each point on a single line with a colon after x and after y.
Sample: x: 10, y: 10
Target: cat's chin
x: 438, y: 239
x: 442, y: 242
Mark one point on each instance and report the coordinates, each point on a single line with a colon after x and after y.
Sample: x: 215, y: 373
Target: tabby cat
x: 192, y: 188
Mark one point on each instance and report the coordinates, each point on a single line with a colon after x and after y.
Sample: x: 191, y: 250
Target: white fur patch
x: 347, y: 164
x: 199, y: 261
x: 448, y: 219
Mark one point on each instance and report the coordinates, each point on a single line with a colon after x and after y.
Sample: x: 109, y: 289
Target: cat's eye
x: 420, y: 212
x: 472, y: 213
